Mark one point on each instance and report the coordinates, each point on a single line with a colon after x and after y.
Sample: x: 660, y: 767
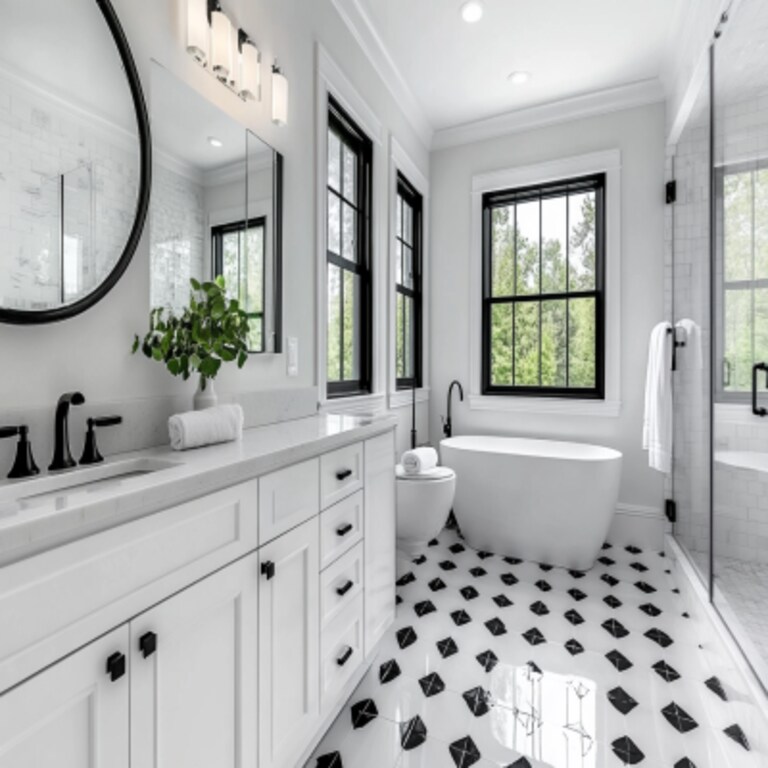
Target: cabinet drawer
x: 287, y: 498
x: 341, y: 474
x: 341, y: 527
x: 340, y: 584
x: 341, y: 651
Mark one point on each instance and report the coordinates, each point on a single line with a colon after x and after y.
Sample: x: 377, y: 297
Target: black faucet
x: 62, y: 456
x: 447, y: 427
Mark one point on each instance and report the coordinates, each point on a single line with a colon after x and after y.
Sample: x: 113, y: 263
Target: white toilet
x: 423, y: 504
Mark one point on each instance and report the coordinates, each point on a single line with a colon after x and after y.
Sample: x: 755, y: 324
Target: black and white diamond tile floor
x: 499, y: 662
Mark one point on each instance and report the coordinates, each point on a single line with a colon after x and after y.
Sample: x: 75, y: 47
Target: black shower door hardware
x: 758, y: 410
x: 673, y: 330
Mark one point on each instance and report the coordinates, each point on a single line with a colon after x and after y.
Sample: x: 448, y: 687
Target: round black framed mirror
x: 75, y: 157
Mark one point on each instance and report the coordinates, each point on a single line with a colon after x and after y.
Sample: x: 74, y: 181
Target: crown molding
x: 363, y: 30
x: 577, y: 107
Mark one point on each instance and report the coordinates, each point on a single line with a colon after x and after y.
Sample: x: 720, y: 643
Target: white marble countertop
x: 31, y: 527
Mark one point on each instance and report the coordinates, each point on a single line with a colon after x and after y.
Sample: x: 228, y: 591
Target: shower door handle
x: 758, y: 411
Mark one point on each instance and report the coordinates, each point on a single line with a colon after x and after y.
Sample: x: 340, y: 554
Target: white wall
x: 639, y: 135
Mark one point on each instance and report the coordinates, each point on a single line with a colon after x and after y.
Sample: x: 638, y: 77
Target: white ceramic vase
x: 205, y: 398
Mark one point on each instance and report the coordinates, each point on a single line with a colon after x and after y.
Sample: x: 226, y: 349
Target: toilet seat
x: 438, y: 473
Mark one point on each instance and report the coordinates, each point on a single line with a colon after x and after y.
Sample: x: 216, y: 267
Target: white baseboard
x: 639, y: 525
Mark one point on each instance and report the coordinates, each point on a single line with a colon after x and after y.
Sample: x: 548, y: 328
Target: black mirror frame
x: 27, y: 317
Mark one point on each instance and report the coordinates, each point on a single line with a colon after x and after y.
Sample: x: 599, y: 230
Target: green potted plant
x: 211, y: 330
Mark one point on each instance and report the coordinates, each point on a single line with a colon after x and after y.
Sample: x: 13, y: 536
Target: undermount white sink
x: 74, y: 486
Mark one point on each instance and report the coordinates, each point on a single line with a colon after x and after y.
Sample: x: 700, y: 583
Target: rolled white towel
x: 419, y: 460
x: 194, y: 429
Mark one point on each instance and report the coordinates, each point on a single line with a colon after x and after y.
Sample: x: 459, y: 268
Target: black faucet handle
x: 24, y: 464
x: 91, y: 453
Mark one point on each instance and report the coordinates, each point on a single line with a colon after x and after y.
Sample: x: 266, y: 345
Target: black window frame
x: 410, y: 195
x: 217, y: 258
x: 499, y: 198
x: 351, y: 134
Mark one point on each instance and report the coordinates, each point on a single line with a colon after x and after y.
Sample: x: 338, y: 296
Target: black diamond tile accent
x: 484, y: 555
x: 543, y: 585
x: 447, y: 565
x: 413, y: 733
x: 660, y: 637
x: 650, y: 609
x: 686, y: 615
x: 678, y: 718
x: 621, y: 700
x: 398, y: 599
x: 456, y: 548
x: 615, y: 628
x: 619, y: 660
x: 534, y: 637
x: 534, y: 668
x: 469, y: 593
x: 643, y: 587
x: 363, y: 712
x: 420, y: 560
x: 606, y: 560
x: 675, y: 591
x: 406, y: 578
x: 574, y: 617
x: 639, y: 567
x: 388, y: 671
x: 734, y: 732
x: 611, y: 581
x: 574, y: 647
x: 576, y: 594
x: 612, y: 602
x: 502, y: 601
x: 477, y: 701
x: 464, y: 752
x: 509, y: 579
x: 460, y: 617
x: 436, y: 584
x: 685, y: 762
x: 447, y: 647
x: 716, y: 687
x: 577, y: 574
x: 539, y: 608
x: 496, y: 627
x: 633, y: 550
x: 433, y: 543
x: 487, y: 660
x: 521, y: 762
x: 513, y: 560
x: 627, y: 751
x: 546, y: 567
x: 665, y: 672
x: 331, y: 760
x: 606, y: 545
x: 424, y: 607
x: 406, y: 636
x: 477, y: 571
x: 432, y: 684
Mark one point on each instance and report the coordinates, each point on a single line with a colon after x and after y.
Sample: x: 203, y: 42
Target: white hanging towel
x: 657, y: 424
x: 692, y: 354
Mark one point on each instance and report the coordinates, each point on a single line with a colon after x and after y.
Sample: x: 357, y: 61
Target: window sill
x: 402, y: 397
x: 545, y: 406
x: 355, y: 404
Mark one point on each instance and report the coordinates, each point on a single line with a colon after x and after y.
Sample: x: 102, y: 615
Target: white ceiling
x: 458, y: 71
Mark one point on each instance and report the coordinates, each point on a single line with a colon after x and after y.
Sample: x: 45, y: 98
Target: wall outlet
x: 293, y: 356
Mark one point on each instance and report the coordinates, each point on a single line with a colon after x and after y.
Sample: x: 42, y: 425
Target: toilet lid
x: 438, y: 473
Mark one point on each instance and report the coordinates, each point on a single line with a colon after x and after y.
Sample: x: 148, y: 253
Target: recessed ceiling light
x: 519, y: 77
x: 214, y: 142
x: 472, y: 11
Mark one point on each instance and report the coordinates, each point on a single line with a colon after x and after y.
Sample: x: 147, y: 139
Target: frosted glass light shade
x: 234, y: 72
x: 198, y: 31
x: 250, y: 81
x: 279, y: 97
x: 221, y: 44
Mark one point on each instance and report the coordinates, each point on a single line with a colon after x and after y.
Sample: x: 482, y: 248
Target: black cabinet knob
x: 343, y: 474
x: 268, y: 569
x: 148, y: 644
x: 344, y: 588
x: 343, y: 530
x: 344, y: 658
x: 116, y: 666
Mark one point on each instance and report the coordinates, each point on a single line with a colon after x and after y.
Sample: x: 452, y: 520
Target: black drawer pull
x: 344, y: 588
x: 148, y: 644
x: 268, y: 569
x: 116, y: 666
x: 343, y: 530
x: 344, y: 658
x: 343, y: 474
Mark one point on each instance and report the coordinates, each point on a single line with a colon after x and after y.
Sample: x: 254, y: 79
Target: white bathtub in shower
x: 551, y: 502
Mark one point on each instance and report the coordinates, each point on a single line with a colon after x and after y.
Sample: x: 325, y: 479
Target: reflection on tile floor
x: 493, y: 661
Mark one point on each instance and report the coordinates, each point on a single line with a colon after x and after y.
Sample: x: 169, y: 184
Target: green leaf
x: 157, y: 353
x: 135, y: 345
x: 174, y: 366
x: 210, y: 367
x: 194, y: 283
x: 242, y: 358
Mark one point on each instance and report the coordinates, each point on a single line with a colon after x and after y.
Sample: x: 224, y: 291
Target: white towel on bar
x: 691, y: 358
x: 419, y: 460
x: 194, y: 429
x: 657, y: 424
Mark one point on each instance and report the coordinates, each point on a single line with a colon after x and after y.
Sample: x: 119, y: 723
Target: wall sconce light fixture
x: 198, y: 30
x: 250, y: 63
x: 221, y: 44
x: 279, y: 96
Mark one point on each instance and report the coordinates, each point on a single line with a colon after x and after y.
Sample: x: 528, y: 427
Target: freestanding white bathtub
x: 538, y: 500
